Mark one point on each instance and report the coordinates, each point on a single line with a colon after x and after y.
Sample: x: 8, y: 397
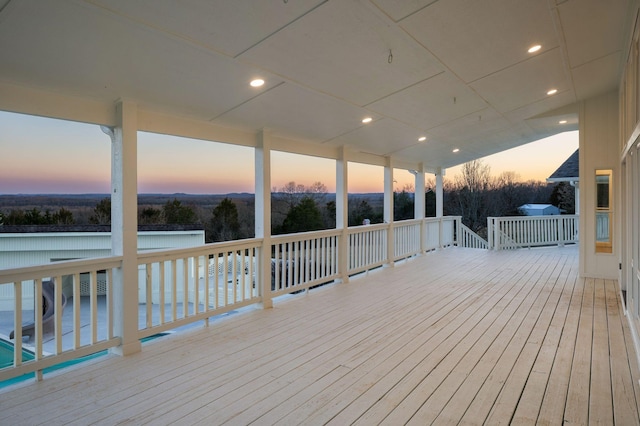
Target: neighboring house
x: 569, y: 172
x: 539, y: 209
x: 42, y: 244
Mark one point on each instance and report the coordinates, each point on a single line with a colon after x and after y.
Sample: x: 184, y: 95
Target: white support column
x: 342, y: 212
x: 388, y: 209
x: 419, y: 204
x: 576, y: 186
x: 124, y: 226
x: 439, y: 193
x: 439, y: 202
x: 419, y: 195
x: 263, y: 213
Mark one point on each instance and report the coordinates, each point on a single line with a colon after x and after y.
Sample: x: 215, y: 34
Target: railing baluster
x: 17, y: 323
x: 149, y: 294
x: 76, y: 311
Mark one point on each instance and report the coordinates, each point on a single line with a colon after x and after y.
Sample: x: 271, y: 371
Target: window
x: 604, y: 213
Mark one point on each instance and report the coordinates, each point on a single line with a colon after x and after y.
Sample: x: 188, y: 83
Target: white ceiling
x: 456, y: 71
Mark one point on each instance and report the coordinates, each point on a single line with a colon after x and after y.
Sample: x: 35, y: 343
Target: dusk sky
x: 46, y: 156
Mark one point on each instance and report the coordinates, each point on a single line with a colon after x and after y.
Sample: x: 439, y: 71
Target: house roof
x: 29, y: 229
x: 568, y: 171
x: 536, y: 206
x: 443, y: 70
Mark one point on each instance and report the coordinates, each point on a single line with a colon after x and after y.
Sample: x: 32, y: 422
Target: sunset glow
x: 56, y: 156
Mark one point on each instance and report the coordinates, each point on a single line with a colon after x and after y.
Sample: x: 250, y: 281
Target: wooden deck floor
x: 459, y: 336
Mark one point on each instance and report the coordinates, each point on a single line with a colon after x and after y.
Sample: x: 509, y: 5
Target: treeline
x: 474, y: 195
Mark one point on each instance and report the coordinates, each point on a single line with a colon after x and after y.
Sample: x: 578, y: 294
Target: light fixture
x: 257, y: 82
x: 367, y: 120
x: 552, y: 92
x: 562, y: 122
x: 456, y: 150
x: 422, y: 138
x: 534, y: 48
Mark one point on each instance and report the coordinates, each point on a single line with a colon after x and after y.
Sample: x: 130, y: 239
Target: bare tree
x: 471, y: 189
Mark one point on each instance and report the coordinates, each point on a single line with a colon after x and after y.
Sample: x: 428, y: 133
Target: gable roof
x: 568, y: 171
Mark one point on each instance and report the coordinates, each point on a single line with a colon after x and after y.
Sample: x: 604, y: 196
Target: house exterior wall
x: 599, y: 121
x: 27, y: 249
x: 629, y: 160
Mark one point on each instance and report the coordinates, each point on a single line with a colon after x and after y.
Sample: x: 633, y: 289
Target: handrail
x: 470, y: 239
x: 531, y: 231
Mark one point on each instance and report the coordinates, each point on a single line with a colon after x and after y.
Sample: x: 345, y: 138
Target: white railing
x: 52, y: 340
x: 367, y: 247
x: 177, y: 287
x: 440, y: 232
x: 531, y: 231
x: 407, y: 238
x: 303, y: 260
x: 469, y: 239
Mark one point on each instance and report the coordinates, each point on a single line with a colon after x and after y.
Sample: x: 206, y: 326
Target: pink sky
x: 55, y: 156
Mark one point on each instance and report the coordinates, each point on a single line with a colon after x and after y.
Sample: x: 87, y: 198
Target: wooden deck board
x: 458, y: 336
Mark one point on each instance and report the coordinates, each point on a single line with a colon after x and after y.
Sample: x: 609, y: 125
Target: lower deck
x: 458, y: 336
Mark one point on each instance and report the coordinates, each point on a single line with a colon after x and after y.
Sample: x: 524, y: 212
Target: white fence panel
x: 367, y: 247
x: 532, y: 231
x: 182, y: 286
x: 406, y: 239
x: 304, y: 260
x: 58, y: 324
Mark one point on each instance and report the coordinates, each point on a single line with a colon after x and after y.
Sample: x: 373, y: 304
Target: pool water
x: 6, y: 354
x: 6, y: 359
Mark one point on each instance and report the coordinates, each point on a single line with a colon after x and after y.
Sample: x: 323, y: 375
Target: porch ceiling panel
x: 597, y: 76
x: 343, y: 49
x: 382, y: 137
x: 592, y: 28
x: 294, y: 112
x: 486, y: 120
x: 439, y: 99
x: 229, y: 27
x: 524, y: 83
x: 476, y: 39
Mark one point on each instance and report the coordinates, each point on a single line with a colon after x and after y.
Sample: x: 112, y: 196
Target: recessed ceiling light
x: 534, y: 48
x: 367, y: 120
x: 552, y: 92
x: 422, y: 138
x: 456, y: 149
x: 562, y: 122
x: 257, y: 82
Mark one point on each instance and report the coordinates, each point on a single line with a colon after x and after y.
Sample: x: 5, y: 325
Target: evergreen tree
x: 403, y: 205
x: 225, y: 225
x: 175, y: 213
x: 102, y: 213
x: 303, y: 217
x: 63, y: 217
x: 150, y: 216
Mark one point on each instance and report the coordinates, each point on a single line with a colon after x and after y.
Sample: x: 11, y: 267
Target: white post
x: 263, y: 213
x: 419, y: 204
x: 439, y: 207
x: 576, y: 186
x: 388, y: 209
x: 342, y: 212
x: 439, y: 192
x: 124, y: 226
